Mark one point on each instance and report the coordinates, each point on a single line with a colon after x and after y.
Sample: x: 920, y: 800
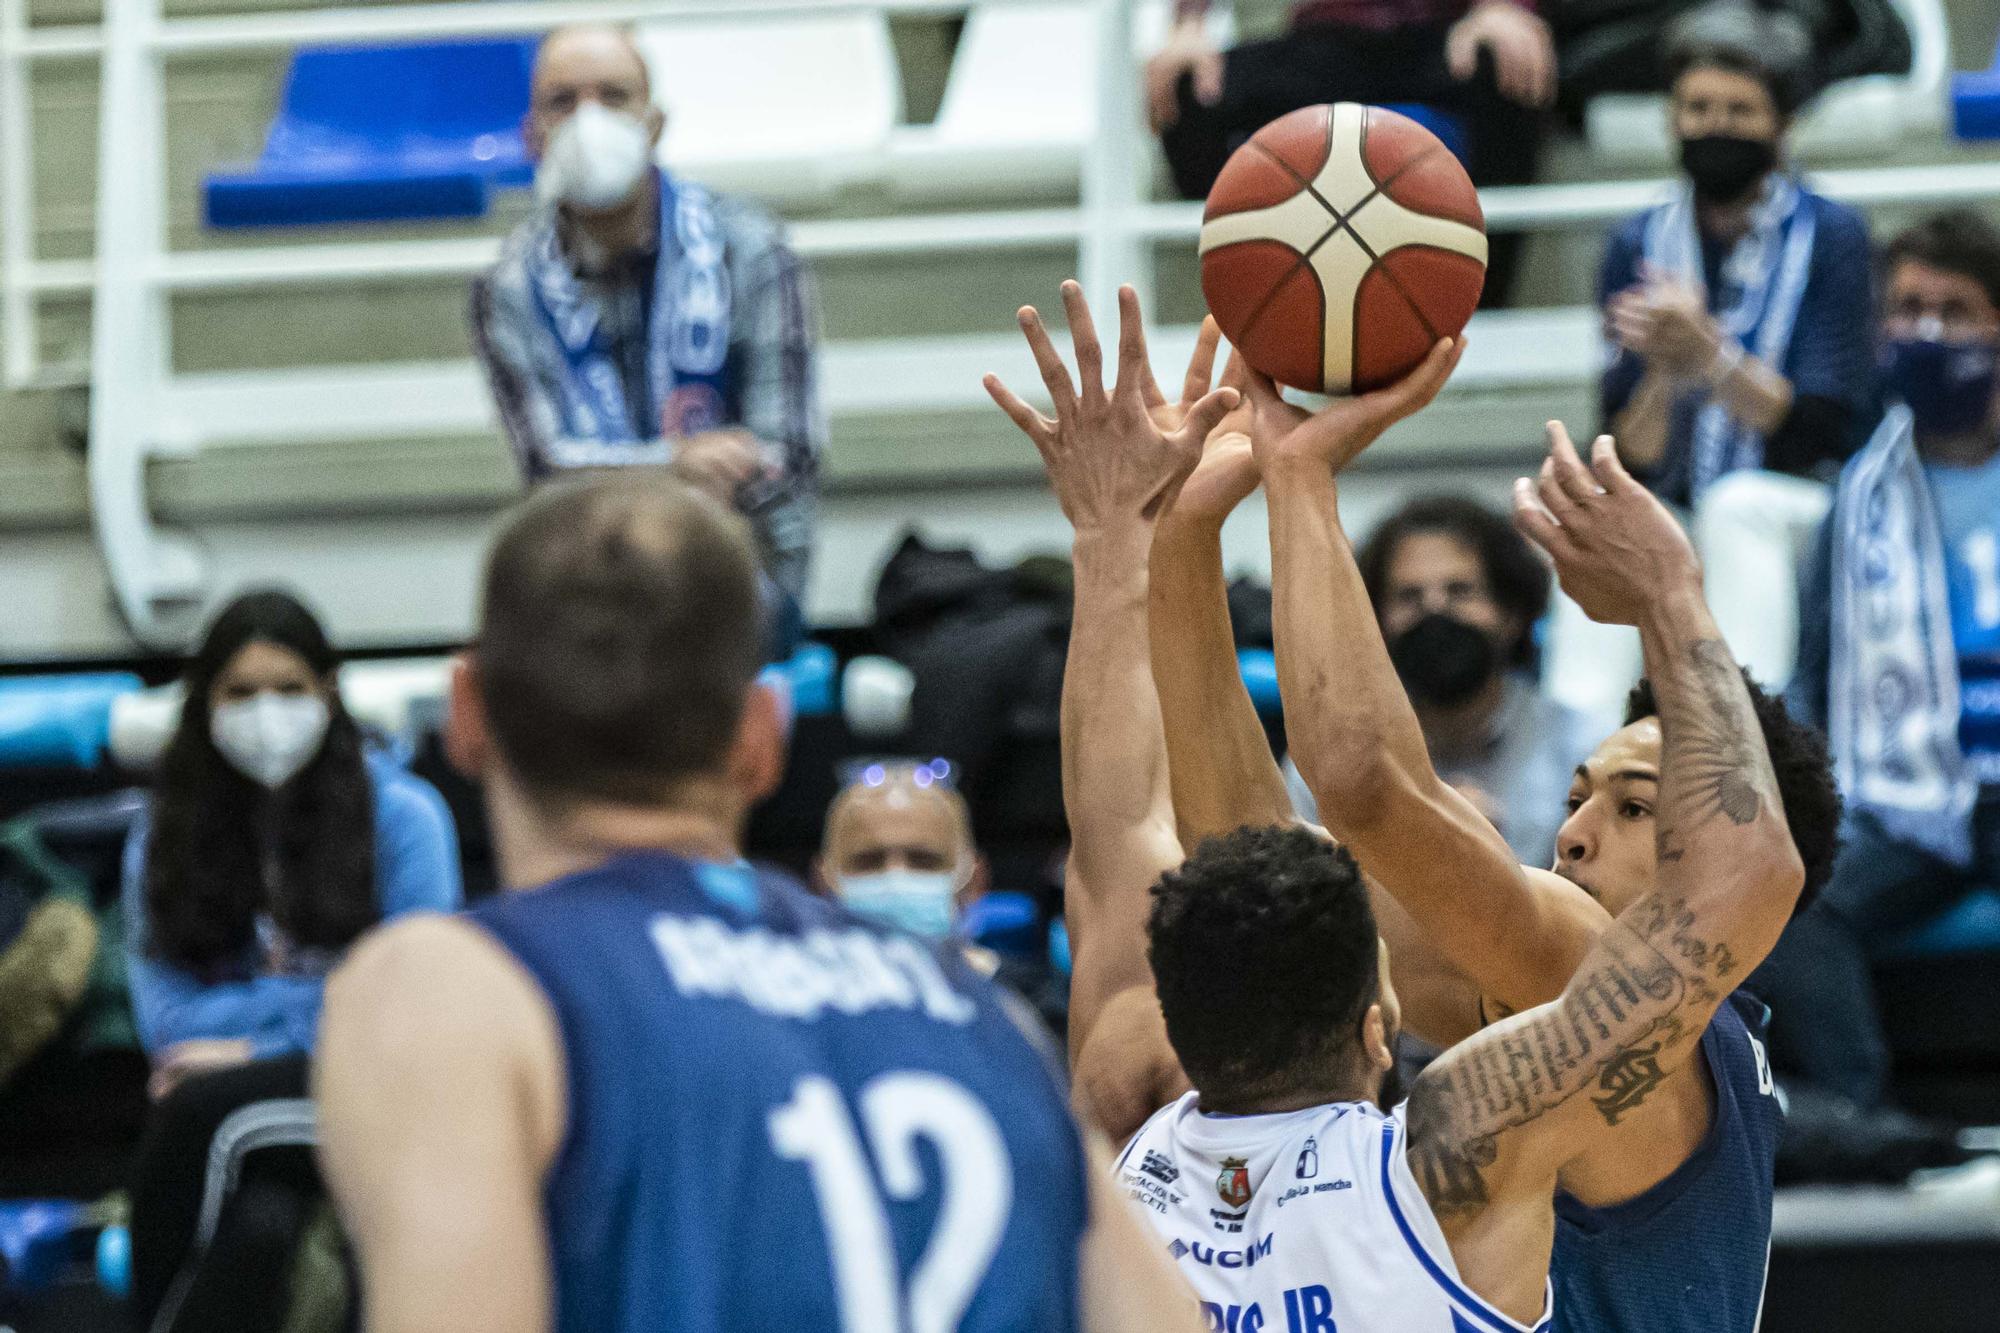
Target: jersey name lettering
x: 801, y: 977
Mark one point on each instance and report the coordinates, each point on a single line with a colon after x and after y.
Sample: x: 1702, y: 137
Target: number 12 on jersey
x: 977, y: 1191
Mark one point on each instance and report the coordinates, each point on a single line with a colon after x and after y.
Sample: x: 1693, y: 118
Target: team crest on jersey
x: 1233, y: 1185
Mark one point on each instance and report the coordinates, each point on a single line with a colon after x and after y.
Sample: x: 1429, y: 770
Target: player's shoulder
x: 427, y: 980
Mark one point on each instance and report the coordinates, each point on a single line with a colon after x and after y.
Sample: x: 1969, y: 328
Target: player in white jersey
x: 1271, y: 979
x: 1302, y: 1222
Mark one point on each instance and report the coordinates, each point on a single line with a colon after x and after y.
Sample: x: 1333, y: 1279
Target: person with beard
x: 1457, y: 593
x: 1900, y: 657
x: 637, y: 319
x: 1738, y: 322
x: 1281, y: 1185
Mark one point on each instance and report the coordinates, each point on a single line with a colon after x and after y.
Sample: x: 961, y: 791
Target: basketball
x: 1339, y: 244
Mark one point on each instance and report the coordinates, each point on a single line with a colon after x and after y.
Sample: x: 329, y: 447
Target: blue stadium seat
x: 1975, y: 102
x: 1260, y: 676
x: 810, y: 676
x: 59, y: 721
x: 1448, y: 128
x: 1969, y: 926
x: 384, y: 134
x: 1007, y: 923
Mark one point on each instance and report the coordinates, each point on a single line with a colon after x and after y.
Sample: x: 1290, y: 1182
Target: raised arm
x: 1113, y: 469
x: 1224, y: 775
x: 1493, y: 1120
x: 1354, y: 734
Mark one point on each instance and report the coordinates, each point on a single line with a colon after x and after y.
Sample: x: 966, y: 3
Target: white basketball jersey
x: 1302, y: 1222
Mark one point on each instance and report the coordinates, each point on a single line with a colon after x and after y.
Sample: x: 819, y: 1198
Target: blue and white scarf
x: 688, y: 329
x: 1763, y: 281
x: 1892, y: 688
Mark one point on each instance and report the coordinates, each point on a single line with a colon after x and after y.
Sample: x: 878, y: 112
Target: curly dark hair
x: 1957, y: 240
x: 1263, y: 947
x: 1517, y: 577
x: 1805, y: 779
x: 204, y: 877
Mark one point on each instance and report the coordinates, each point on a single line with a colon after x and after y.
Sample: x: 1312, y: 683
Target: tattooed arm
x: 1492, y: 1121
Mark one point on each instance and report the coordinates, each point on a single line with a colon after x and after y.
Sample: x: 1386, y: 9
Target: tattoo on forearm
x: 1714, y: 739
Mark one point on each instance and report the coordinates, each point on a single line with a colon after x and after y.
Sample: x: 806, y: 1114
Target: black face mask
x: 1443, y: 661
x: 1724, y: 167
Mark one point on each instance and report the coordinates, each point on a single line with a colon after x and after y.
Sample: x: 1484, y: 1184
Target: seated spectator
x: 275, y: 838
x: 1899, y: 657
x: 1458, y: 592
x: 1739, y: 326
x: 636, y: 319
x: 1491, y: 63
x: 898, y: 849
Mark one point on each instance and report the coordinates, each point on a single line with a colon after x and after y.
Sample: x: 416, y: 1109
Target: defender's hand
x: 1618, y: 551
x: 1112, y: 464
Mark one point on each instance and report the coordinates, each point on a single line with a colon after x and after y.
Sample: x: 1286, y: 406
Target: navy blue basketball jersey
x: 1691, y: 1253
x: 782, y: 1117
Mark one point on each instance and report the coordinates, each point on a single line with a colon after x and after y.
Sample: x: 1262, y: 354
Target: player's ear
x: 467, y: 742
x: 757, y: 760
x: 1376, y: 1041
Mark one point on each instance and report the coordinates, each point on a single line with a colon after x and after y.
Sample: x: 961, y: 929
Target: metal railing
x: 139, y: 409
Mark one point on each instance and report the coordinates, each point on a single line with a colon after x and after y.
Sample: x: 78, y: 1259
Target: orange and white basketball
x: 1340, y: 243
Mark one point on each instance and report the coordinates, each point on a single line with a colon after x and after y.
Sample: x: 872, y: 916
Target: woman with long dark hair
x: 276, y: 837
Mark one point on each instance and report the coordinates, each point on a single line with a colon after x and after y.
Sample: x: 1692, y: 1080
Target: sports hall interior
x: 196, y: 401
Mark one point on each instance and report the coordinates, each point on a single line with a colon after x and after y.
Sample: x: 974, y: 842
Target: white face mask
x: 595, y: 159
x: 269, y: 737
x: 925, y: 903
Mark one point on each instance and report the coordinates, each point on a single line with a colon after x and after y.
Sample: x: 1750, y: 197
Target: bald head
x: 587, y: 62
x: 896, y: 824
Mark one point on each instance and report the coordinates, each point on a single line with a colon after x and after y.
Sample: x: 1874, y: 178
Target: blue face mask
x: 1948, y: 386
x: 923, y: 903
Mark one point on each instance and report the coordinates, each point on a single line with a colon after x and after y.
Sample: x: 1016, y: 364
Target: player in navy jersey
x: 1665, y: 1225
x: 1264, y: 974
x: 648, y: 1087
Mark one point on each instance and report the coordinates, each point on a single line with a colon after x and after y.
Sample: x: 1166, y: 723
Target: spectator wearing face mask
x: 1458, y: 593
x: 898, y: 849
x: 275, y: 837
x: 1738, y: 323
x: 636, y: 319
x: 1899, y: 657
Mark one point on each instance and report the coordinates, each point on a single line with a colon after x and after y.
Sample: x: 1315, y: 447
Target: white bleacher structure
x: 795, y: 99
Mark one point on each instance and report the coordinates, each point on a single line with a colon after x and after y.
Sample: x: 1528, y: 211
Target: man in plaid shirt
x: 635, y: 319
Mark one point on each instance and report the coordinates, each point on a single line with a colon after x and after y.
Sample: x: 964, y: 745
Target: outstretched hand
x: 1114, y: 459
x: 1336, y: 435
x: 1227, y: 473
x: 1618, y: 550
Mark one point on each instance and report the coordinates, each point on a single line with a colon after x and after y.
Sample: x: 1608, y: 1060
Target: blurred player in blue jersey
x: 649, y: 1087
